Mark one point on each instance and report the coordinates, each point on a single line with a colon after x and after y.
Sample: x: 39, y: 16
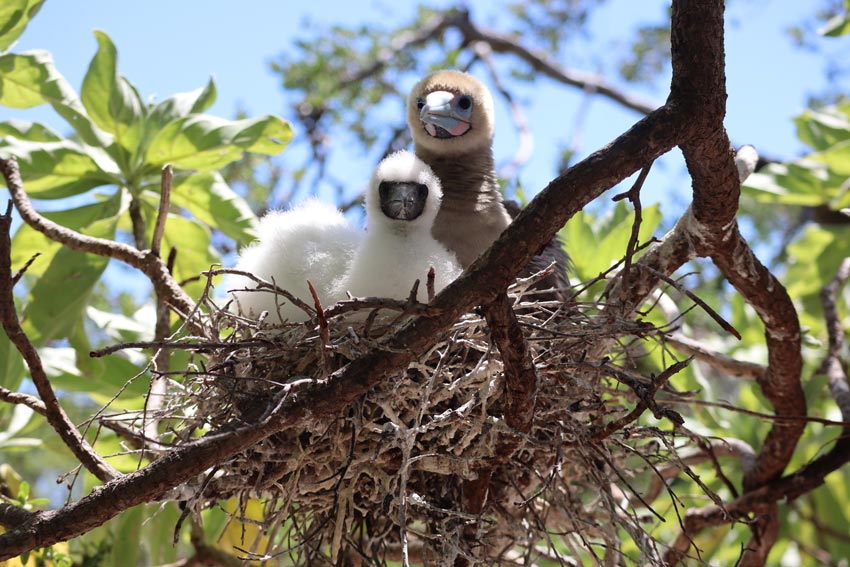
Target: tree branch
x: 718, y: 360
x: 831, y: 365
x: 145, y: 261
x: 56, y: 416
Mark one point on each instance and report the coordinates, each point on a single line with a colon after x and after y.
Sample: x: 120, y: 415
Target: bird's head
x: 450, y: 112
x: 403, y: 193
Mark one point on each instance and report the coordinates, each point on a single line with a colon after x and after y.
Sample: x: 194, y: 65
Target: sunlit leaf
x: 54, y: 170
x: 181, y: 104
x: 837, y: 26
x: 111, y: 101
x: 59, y: 297
x: 12, y: 426
x: 11, y: 364
x: 28, y: 242
x: 207, y: 142
x: 836, y: 158
x: 14, y: 17
x: 209, y: 198
x: 820, y: 129
x: 31, y: 79
x: 29, y: 131
x: 115, y: 374
x: 607, y: 236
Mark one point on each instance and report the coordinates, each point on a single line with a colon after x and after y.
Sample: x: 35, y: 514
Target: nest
x: 391, y: 477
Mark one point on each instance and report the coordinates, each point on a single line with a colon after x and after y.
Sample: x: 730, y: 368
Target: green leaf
x: 194, y: 251
x: 11, y: 364
x: 111, y: 101
x: 836, y: 158
x: 181, y: 104
x: 29, y: 131
x: 209, y: 198
x: 59, y: 297
x: 608, y: 237
x: 31, y: 79
x: 205, y: 142
x: 113, y: 374
x: 837, y: 26
x: 820, y: 129
x: 55, y: 170
x: 805, y: 182
x: 12, y: 426
x: 28, y: 242
x: 14, y: 17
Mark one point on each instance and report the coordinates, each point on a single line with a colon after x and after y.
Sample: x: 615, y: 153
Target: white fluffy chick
x: 312, y: 241
x: 402, y: 202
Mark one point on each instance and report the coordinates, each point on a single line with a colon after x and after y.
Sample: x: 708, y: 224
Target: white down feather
x: 395, y: 253
x: 312, y: 241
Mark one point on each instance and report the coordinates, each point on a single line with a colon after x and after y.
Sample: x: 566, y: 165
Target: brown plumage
x: 451, y: 119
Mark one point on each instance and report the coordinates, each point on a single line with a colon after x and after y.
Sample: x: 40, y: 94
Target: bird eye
x: 420, y: 102
x: 464, y: 102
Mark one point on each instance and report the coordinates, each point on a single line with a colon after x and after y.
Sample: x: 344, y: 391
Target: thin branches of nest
x: 385, y: 479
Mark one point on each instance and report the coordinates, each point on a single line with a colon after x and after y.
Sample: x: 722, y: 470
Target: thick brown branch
x: 162, y: 213
x: 699, y: 88
x: 781, y: 383
x: 13, y: 516
x: 520, y: 372
x: 56, y: 416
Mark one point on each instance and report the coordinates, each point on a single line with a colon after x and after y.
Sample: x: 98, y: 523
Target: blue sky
x: 172, y: 46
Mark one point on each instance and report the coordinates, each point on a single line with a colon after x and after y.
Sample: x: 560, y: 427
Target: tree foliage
x: 107, y: 180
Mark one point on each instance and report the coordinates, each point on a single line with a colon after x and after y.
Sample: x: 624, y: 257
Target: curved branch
x: 831, y: 366
x: 699, y: 86
x: 145, y: 261
x: 56, y: 416
x: 542, y: 63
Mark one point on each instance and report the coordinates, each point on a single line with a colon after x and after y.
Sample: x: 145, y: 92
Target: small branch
x: 150, y: 265
x: 520, y: 372
x: 633, y: 195
x: 525, y: 145
x: 137, y: 222
x: 16, y: 277
x: 729, y: 447
x: 693, y: 297
x: 544, y: 64
x: 718, y: 360
x: 31, y: 402
x: 831, y: 365
x: 162, y: 213
x: 162, y: 329
x: 54, y: 413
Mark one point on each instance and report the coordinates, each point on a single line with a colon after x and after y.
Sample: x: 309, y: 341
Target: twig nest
x: 386, y: 477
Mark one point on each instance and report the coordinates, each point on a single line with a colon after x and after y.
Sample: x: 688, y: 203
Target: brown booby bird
x: 451, y: 118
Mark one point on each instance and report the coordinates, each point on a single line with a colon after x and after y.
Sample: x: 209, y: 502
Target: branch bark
x: 56, y: 416
x: 143, y: 260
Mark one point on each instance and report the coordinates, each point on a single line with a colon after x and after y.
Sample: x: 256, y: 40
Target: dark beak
x: 402, y: 200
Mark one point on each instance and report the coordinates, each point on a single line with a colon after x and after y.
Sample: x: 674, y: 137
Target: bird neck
x: 472, y: 175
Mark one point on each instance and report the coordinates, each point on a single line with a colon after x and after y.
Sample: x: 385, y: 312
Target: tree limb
x: 144, y: 260
x: 56, y: 416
